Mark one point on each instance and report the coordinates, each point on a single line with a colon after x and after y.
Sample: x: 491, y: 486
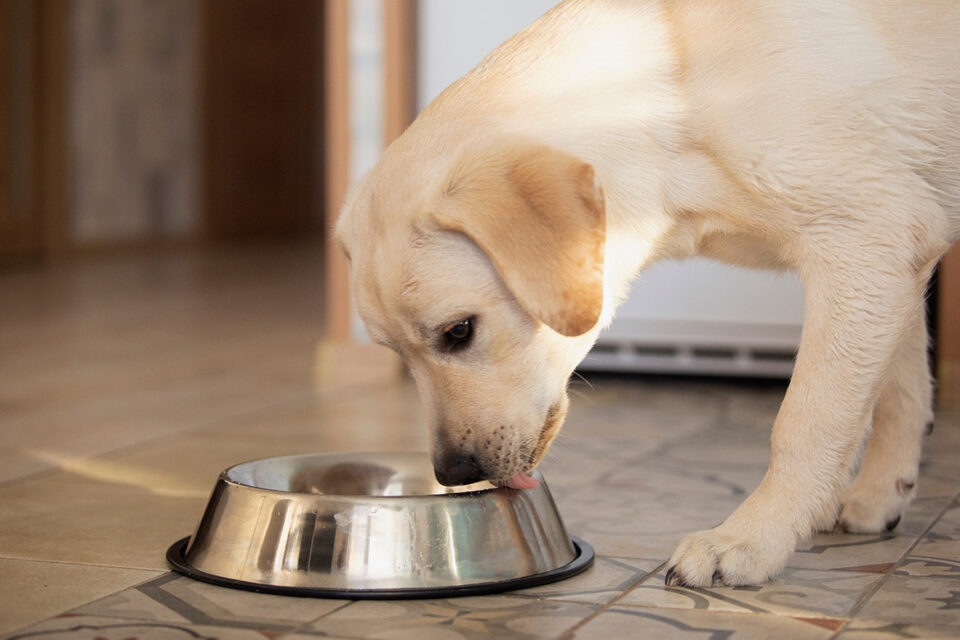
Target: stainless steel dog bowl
x: 374, y: 526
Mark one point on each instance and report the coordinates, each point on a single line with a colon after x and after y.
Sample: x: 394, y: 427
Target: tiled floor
x: 127, y: 384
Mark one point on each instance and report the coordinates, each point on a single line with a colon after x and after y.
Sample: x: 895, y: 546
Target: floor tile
x: 32, y: 591
x: 174, y: 598
x: 477, y: 618
x: 574, y: 462
x: 922, y: 513
x: 109, y: 352
x: 607, y: 579
x: 646, y: 413
x: 64, y: 517
x: 190, y: 464
x: 942, y: 542
x: 795, y: 592
x: 878, y: 630
x: 363, y: 417
x: 920, y: 566
x: 660, y: 624
x: 646, y: 507
x: 927, y: 601
x: 72, y: 627
x: 866, y: 553
x: 937, y: 553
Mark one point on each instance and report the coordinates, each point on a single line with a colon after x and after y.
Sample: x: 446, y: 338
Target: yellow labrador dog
x: 496, y: 237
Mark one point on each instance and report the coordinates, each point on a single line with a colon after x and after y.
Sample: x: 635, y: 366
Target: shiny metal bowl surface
x: 374, y: 525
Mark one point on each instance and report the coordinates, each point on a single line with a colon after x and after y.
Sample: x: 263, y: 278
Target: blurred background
x: 174, y: 147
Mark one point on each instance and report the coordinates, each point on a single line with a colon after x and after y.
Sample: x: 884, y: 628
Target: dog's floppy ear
x: 538, y: 213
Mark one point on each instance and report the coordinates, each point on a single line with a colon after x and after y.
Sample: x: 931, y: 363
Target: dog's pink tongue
x: 522, y: 481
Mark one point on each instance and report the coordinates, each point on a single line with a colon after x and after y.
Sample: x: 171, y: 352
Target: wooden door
x: 33, y: 174
x: 262, y: 117
x: 19, y: 220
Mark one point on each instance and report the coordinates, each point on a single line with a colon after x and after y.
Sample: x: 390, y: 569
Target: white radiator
x: 700, y: 317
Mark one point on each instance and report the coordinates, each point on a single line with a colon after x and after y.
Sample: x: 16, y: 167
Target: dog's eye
x: 457, y: 335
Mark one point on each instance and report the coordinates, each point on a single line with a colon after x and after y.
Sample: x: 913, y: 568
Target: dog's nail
x: 842, y: 527
x: 716, y: 579
x: 929, y: 428
x: 671, y: 578
x: 893, y: 523
x: 904, y: 486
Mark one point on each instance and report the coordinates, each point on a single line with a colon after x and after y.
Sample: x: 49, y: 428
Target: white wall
x: 456, y: 34
x: 697, y: 306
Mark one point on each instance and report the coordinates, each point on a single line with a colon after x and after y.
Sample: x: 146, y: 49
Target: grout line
x: 841, y: 628
x: 847, y: 619
x: 344, y: 605
x: 17, y: 632
x: 85, y: 564
x: 572, y: 630
x: 295, y: 399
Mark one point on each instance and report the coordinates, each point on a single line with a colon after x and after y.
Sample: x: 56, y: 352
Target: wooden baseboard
x: 948, y: 384
x: 948, y: 330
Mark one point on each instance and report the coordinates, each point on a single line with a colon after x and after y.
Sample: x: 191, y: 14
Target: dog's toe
x: 715, y: 558
x: 871, y: 509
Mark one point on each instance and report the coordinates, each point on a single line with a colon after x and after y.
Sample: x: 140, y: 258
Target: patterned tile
x: 937, y: 554
x: 652, y: 411
x: 875, y: 630
x: 31, y: 591
x: 721, y: 447
x: 920, y: 566
x: 645, y: 507
x: 796, y: 592
x: 70, y: 627
x: 174, y: 598
x: 477, y: 618
x: 866, y: 553
x: 656, y: 624
x: 928, y: 601
x: 576, y: 462
x: 923, y: 511
x: 942, y: 542
x: 607, y: 579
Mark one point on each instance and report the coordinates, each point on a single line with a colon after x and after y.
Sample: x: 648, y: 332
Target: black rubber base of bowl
x: 580, y: 563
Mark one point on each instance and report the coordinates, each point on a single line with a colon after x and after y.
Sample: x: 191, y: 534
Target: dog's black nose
x: 458, y: 470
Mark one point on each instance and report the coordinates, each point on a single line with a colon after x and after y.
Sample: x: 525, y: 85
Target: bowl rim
x: 226, y: 479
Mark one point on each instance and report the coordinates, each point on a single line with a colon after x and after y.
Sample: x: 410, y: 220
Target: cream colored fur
x: 818, y: 135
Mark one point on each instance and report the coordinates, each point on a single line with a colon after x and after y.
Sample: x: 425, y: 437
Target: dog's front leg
x: 857, y: 315
x: 886, y: 483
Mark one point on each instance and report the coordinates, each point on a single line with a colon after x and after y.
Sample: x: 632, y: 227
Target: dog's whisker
x: 585, y: 381
x: 586, y: 397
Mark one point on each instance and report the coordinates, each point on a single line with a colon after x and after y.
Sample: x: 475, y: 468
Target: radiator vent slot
x: 711, y: 348
x: 715, y: 354
x: 657, y: 352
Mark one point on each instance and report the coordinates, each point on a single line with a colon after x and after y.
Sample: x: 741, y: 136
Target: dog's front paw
x: 875, y: 507
x: 722, y: 556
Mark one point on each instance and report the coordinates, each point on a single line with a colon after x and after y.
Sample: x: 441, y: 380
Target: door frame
x: 399, y: 71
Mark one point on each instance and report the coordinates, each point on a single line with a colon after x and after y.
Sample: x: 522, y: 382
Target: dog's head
x: 488, y: 281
